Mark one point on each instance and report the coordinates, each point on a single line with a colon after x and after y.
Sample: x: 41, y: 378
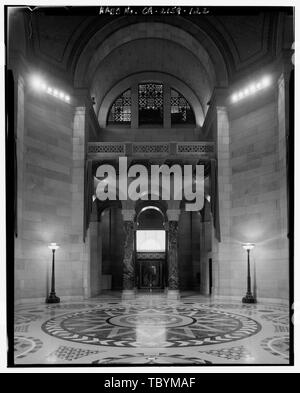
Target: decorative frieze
x: 106, y: 148
x: 148, y: 149
x: 195, y: 148
x: 153, y: 148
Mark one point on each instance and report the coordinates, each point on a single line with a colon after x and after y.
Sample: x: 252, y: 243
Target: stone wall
x: 257, y: 201
x: 50, y: 182
x: 255, y: 187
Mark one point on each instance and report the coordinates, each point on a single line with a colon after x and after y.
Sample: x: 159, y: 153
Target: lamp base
x: 249, y: 299
x: 52, y: 298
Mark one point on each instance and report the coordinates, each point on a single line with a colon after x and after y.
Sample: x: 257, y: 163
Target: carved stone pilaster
x: 128, y: 261
x: 173, y: 256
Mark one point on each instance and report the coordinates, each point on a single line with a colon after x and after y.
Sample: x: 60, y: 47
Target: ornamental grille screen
x: 120, y: 111
x: 181, y: 111
x: 151, y: 103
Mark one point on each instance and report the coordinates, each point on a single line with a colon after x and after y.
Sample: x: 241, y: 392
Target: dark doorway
x: 150, y: 244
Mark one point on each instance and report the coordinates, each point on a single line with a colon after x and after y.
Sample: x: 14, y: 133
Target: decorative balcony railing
x: 98, y: 150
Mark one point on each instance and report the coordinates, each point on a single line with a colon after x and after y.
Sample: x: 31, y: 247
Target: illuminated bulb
x: 234, y: 98
x: 61, y: 95
x: 252, y: 89
x: 258, y: 86
x: 241, y: 95
x: 246, y: 92
x: 49, y: 90
x: 248, y: 246
x: 37, y: 83
x: 53, y: 246
x: 266, y: 81
x: 55, y: 92
x: 67, y: 98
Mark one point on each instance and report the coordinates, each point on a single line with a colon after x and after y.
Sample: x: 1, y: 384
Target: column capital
x: 82, y: 97
x: 218, y: 100
x: 219, y: 97
x: 128, y: 215
x: 173, y: 215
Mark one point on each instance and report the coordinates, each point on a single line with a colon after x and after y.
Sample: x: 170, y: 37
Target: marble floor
x: 151, y: 330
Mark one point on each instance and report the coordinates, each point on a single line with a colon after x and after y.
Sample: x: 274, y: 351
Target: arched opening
x: 156, y: 101
x: 151, y: 249
x: 120, y: 110
x: 182, y: 112
x: 151, y: 104
x: 132, y: 81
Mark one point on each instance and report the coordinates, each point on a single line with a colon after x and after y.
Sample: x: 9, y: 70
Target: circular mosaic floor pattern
x: 152, y: 360
x: 137, y: 326
x: 151, y: 320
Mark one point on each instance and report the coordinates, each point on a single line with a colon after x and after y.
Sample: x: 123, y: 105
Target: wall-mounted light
x: 40, y: 85
x: 251, y: 89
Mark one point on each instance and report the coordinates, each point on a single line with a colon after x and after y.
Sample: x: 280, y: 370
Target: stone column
x: 79, y: 252
x: 20, y: 261
x: 128, y: 261
x: 283, y: 135
x: 222, y: 252
x: 173, y: 270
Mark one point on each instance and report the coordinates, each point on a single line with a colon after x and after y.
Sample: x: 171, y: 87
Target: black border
x: 10, y: 106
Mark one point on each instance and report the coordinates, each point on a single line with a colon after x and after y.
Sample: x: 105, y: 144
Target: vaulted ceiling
x: 97, y: 52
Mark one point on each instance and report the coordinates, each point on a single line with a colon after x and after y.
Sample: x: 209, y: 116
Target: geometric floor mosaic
x: 24, y: 346
x: 277, y: 346
x: 152, y: 330
x: 21, y: 328
x: 234, y: 353
x: 69, y: 353
x: 159, y: 359
x: 139, y: 326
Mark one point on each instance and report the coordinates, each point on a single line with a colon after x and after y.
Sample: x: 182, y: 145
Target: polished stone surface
x: 152, y: 329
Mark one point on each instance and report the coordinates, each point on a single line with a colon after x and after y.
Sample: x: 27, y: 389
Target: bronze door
x: 151, y: 274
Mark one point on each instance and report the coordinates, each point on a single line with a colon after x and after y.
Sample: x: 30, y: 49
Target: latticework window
x: 120, y: 111
x: 181, y: 111
x: 151, y: 103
